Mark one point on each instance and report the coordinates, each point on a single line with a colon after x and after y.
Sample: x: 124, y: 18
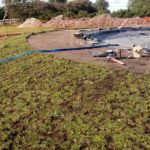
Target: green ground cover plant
x: 48, y: 102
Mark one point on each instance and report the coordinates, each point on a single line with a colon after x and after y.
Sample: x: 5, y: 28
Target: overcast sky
x: 117, y: 4
x: 114, y: 4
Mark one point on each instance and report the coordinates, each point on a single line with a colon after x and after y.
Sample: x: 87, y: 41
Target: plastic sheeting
x: 124, y: 38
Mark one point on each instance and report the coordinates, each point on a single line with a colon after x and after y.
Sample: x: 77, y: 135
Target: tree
x: 102, y: 6
x: 58, y: 1
x: 140, y: 7
x: 1, y: 12
x: 37, y: 9
x: 79, y: 8
x: 7, y: 4
x: 123, y: 13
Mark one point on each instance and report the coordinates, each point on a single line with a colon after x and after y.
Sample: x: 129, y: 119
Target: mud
x: 65, y: 39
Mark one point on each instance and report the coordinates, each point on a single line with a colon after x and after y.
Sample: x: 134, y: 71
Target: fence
x: 10, y: 22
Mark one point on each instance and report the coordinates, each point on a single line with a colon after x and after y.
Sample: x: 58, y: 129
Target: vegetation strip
x: 11, y: 34
x: 52, y: 103
x: 50, y: 51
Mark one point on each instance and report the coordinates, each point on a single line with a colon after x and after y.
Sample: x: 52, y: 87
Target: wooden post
x: 117, y: 61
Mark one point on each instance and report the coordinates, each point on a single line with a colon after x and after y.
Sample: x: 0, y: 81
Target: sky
x: 114, y: 4
x: 117, y: 4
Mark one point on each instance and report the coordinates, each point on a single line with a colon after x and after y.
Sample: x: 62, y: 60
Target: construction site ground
x: 65, y: 39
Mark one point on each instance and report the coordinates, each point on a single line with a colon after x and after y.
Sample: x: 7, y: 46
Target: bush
x: 140, y: 8
x: 1, y: 13
x: 83, y: 13
x: 40, y: 10
x: 123, y: 13
x: 77, y: 9
x: 45, y: 10
x: 102, y: 6
x: 69, y: 14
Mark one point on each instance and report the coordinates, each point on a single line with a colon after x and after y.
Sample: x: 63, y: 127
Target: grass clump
x: 48, y: 102
x: 7, y: 30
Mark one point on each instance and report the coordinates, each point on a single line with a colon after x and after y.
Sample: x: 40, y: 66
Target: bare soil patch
x: 65, y: 39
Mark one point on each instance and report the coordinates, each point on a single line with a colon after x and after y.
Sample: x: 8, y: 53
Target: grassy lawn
x: 48, y: 102
x: 6, y: 30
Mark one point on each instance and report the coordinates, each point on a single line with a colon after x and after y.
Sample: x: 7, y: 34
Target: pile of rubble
x: 61, y: 22
x: 134, y: 22
x: 102, y: 21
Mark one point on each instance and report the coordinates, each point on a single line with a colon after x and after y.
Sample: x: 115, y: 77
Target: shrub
x: 83, y: 13
x: 102, y: 6
x: 69, y: 14
x: 1, y: 13
x: 140, y: 8
x: 81, y: 8
x: 45, y: 10
x: 123, y: 13
x: 40, y: 10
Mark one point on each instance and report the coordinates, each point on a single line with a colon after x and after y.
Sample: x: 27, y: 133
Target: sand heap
x: 31, y: 22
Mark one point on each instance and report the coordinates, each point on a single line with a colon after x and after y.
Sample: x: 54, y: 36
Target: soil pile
x: 61, y: 22
x: 134, y: 22
x: 104, y: 21
x: 101, y: 21
x: 147, y: 19
x: 31, y: 22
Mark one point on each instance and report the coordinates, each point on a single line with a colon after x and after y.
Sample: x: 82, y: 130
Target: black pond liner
x: 123, y: 38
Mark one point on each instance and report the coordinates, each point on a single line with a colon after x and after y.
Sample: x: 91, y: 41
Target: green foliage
x: 102, y: 6
x: 58, y: 1
x: 123, y: 13
x: 1, y: 12
x: 45, y: 10
x: 48, y: 102
x: 41, y: 10
x: 82, y: 8
x: 135, y: 8
x: 82, y: 14
x: 140, y: 8
x: 69, y: 14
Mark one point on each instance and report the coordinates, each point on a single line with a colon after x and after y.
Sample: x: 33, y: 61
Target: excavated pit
x: 123, y: 38
x: 65, y: 39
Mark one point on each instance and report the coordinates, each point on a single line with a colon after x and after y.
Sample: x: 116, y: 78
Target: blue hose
x: 50, y: 51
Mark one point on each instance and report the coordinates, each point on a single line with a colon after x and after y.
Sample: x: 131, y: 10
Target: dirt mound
x: 133, y: 22
x: 147, y: 19
x: 105, y: 21
x: 98, y: 21
x: 101, y: 21
x: 31, y: 22
x: 61, y: 22
x: 58, y: 18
